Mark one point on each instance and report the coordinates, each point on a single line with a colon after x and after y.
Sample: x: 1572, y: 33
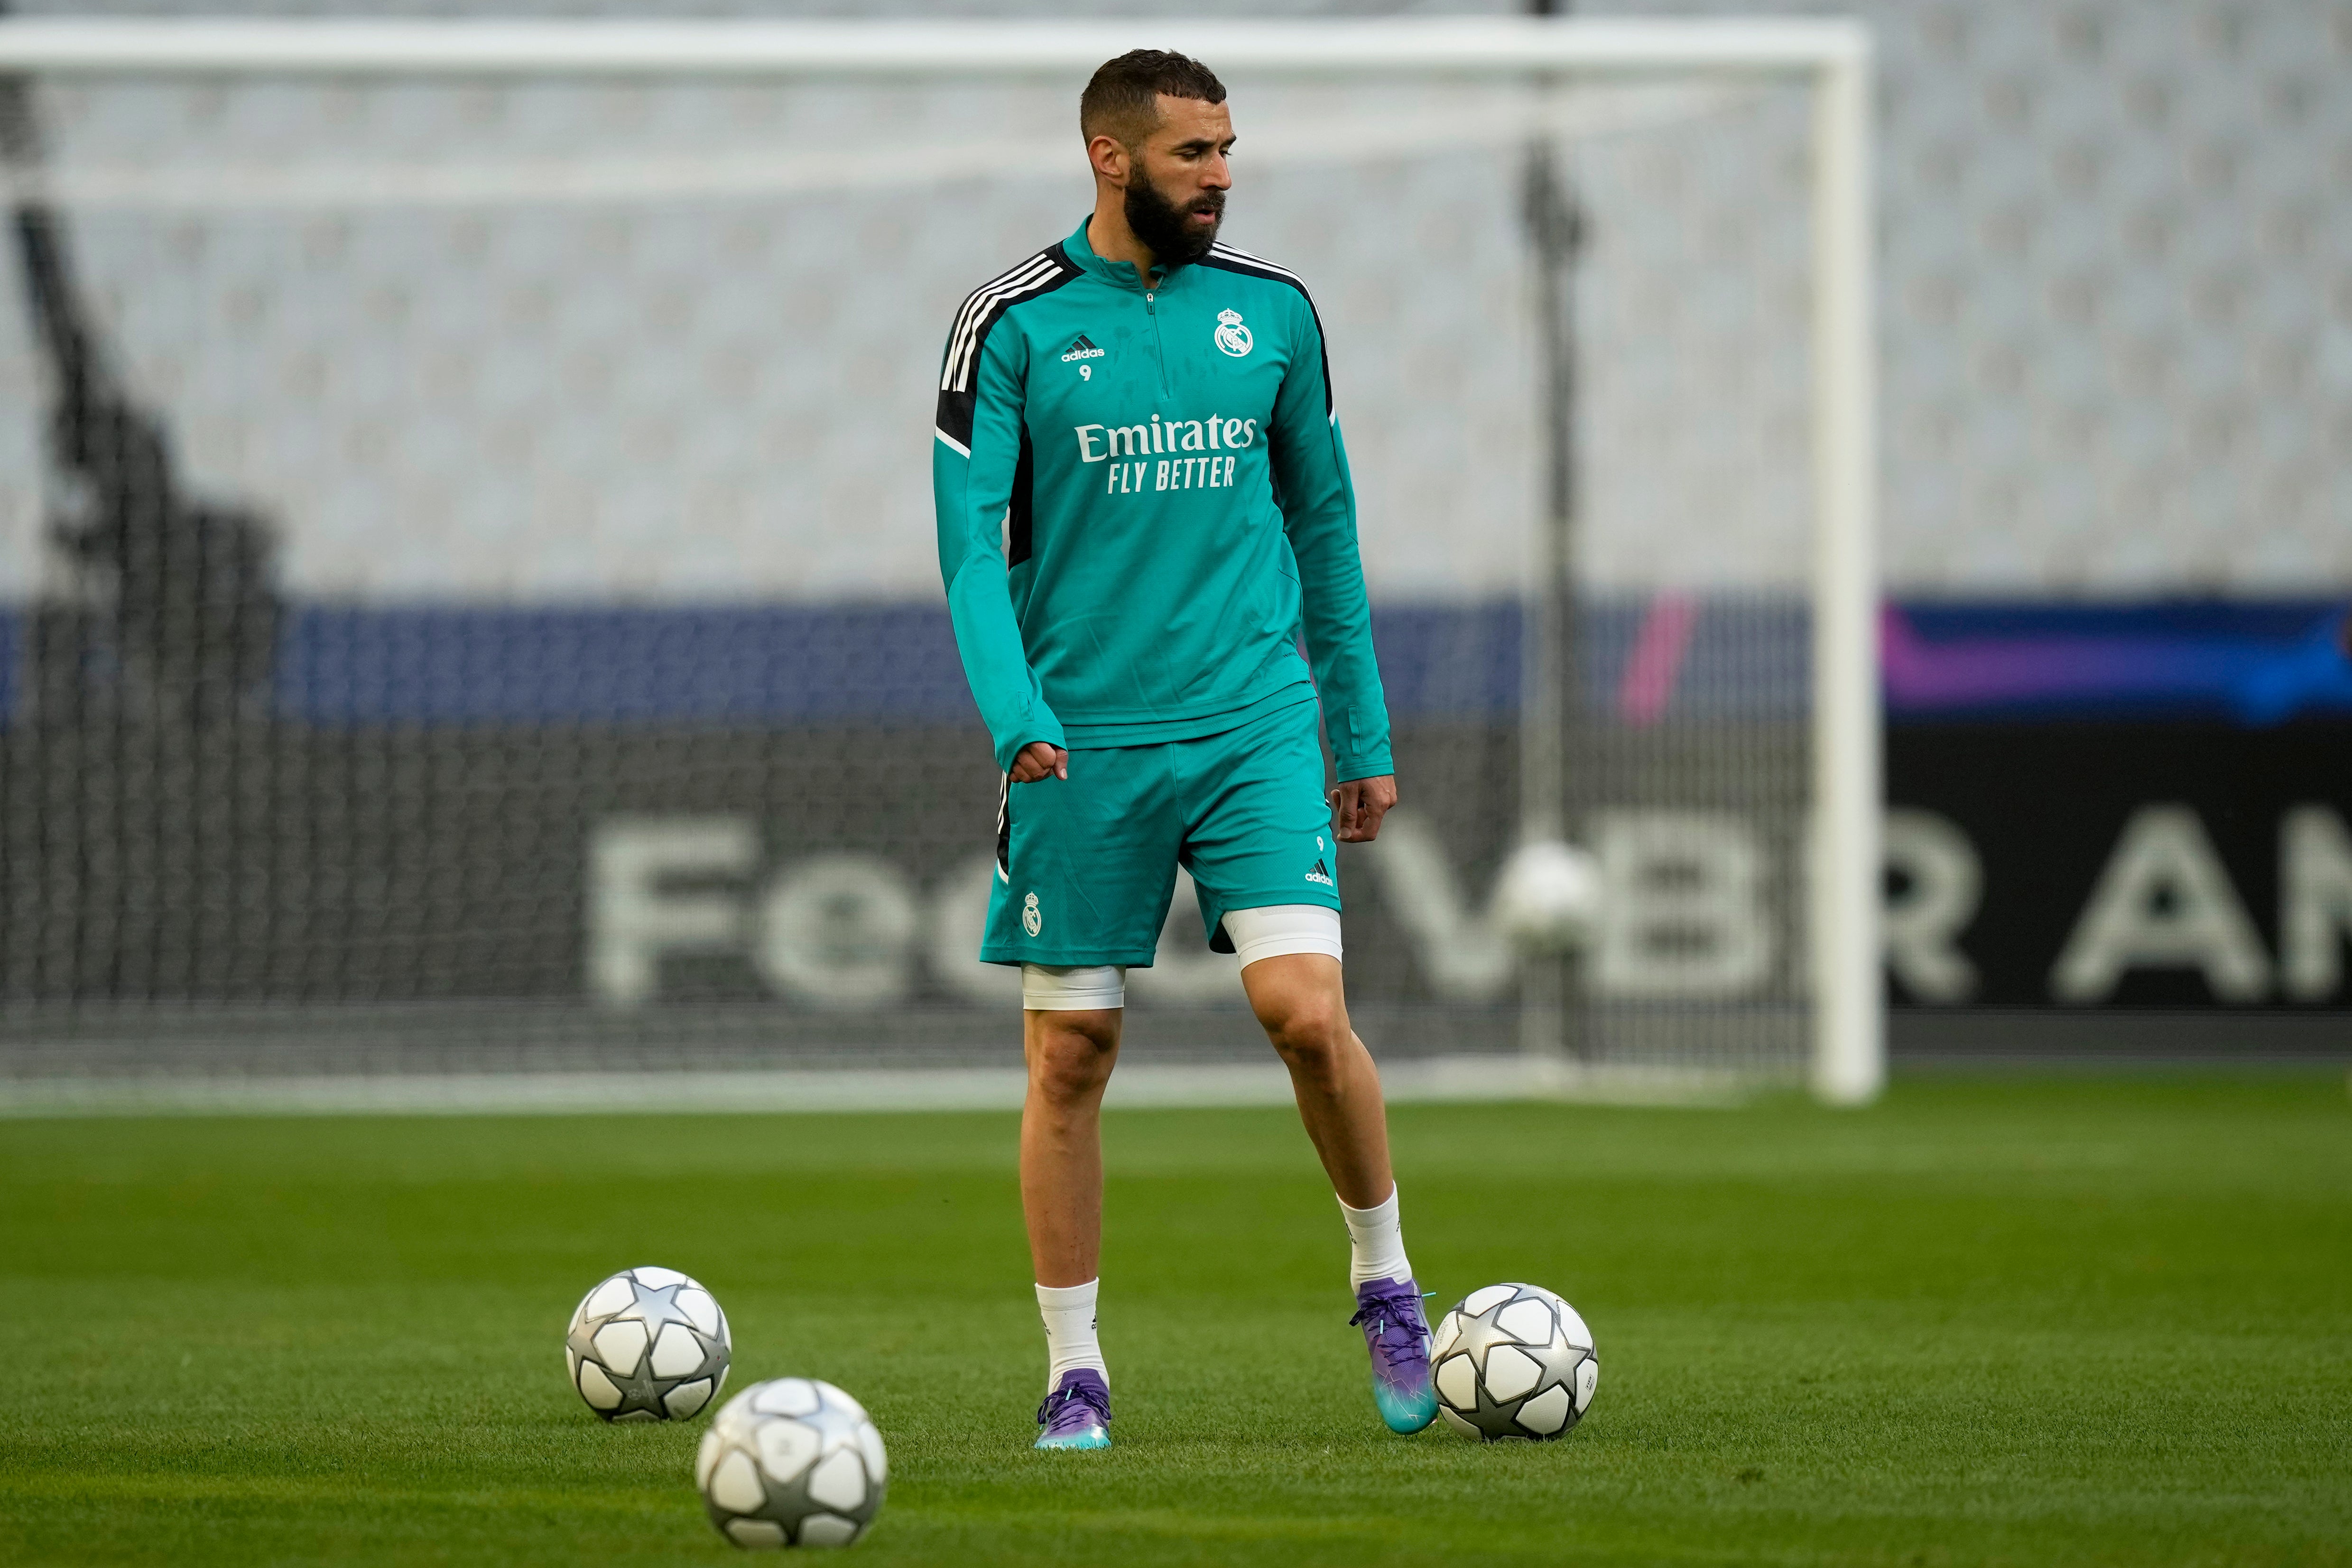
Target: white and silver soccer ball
x: 647, y: 1344
x: 1547, y: 897
x: 1514, y: 1361
x: 792, y: 1462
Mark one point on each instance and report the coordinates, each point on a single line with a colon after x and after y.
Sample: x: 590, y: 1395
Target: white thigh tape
x: 1070, y: 988
x: 1281, y: 928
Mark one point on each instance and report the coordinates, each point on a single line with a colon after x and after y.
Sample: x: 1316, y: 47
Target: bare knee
x: 1071, y: 1054
x: 1312, y: 1037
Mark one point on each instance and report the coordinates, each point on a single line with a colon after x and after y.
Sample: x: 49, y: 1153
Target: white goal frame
x: 1832, y: 57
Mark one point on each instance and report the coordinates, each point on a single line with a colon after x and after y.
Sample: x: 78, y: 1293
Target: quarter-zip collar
x: 1118, y: 274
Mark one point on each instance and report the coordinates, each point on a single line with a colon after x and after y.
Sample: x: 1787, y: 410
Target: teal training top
x: 1143, y: 501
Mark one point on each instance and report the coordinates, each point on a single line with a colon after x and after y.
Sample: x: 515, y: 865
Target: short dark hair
x: 1122, y: 101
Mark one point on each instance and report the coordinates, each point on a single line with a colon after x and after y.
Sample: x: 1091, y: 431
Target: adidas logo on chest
x: 1082, y: 349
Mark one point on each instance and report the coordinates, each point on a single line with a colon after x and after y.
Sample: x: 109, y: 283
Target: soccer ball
x: 1548, y: 897
x: 792, y: 1462
x: 649, y: 1344
x: 1514, y: 1361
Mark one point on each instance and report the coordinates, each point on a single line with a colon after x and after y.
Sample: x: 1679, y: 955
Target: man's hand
x: 1358, y: 807
x: 1037, y: 760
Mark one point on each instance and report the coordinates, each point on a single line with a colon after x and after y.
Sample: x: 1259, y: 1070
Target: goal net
x: 470, y: 586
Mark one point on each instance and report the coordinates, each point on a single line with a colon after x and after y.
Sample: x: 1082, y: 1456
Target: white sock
x: 1376, y: 1242
x: 1069, y: 1314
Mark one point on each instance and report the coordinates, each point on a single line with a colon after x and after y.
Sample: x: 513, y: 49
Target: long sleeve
x: 1319, y: 514
x: 977, y: 455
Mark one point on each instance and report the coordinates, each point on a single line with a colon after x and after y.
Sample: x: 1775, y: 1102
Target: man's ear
x: 1110, y: 158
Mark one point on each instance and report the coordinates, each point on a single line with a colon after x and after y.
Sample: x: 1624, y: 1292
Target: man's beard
x: 1162, y: 226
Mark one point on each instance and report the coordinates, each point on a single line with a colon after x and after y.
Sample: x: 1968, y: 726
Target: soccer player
x: 1144, y: 502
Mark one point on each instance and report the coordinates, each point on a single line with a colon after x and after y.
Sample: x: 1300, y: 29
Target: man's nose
x: 1217, y: 174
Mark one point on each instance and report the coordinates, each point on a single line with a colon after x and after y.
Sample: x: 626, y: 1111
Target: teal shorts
x: 1085, y: 865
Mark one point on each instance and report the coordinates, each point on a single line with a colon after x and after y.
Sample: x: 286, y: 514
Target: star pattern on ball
x: 656, y: 1305
x: 1481, y: 1334
x: 1557, y: 1360
x: 815, y: 1477
x: 1495, y: 1420
x: 641, y: 1390
x: 1560, y: 1361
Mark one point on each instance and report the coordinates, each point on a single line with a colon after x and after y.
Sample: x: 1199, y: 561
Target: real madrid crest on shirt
x: 1231, y: 336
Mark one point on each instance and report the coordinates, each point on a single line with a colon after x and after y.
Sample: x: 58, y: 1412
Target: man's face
x: 1176, y: 186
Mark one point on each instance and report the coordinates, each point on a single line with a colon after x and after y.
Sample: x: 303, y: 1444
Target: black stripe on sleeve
x: 1042, y: 273
x: 1225, y: 258
x: 1020, y: 516
x: 1005, y: 829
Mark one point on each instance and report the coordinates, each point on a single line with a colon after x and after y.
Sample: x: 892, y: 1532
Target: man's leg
x: 1086, y: 858
x: 1070, y: 1055
x: 1260, y: 843
x: 1070, y: 1029
x: 1300, y: 999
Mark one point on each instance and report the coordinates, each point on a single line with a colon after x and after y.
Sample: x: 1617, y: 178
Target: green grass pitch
x: 2016, y: 1320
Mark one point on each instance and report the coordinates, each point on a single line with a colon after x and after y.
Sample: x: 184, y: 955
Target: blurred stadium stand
x: 2115, y: 340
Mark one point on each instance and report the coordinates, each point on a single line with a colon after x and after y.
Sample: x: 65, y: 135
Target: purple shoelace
x: 1057, y: 1412
x: 1401, y: 1333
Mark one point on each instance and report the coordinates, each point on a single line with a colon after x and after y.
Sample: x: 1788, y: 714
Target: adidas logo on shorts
x: 1321, y: 874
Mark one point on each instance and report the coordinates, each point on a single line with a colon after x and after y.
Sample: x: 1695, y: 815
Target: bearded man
x: 1143, y: 503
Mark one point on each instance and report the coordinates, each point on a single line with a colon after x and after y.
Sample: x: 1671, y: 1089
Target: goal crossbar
x: 1833, y: 56
x: 722, y: 47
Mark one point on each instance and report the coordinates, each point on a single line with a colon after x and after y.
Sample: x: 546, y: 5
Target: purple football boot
x: 1077, y: 1415
x: 1396, y: 1330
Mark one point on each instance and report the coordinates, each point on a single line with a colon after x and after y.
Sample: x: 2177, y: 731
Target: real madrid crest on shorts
x: 1231, y: 336
x: 1032, y: 921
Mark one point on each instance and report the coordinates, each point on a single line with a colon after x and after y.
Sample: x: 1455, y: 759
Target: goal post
x: 1849, y: 1060
x: 1833, y: 961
